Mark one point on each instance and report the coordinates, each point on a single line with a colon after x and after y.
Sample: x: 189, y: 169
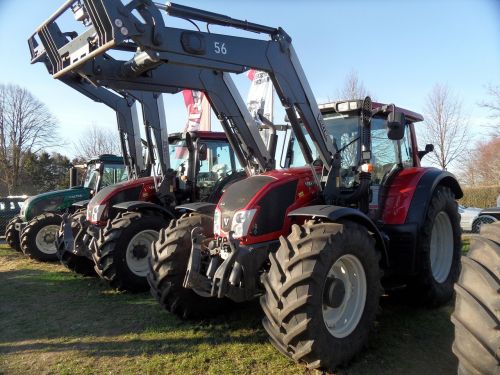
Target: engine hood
x: 52, y: 201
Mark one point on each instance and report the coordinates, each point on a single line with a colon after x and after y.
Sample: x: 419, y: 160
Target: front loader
x: 310, y: 242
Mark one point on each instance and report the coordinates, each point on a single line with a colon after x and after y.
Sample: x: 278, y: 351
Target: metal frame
x: 114, y: 26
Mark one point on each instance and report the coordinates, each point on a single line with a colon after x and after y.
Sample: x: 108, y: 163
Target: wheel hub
x: 49, y: 238
x: 344, y: 295
x: 140, y: 251
x: 334, y: 292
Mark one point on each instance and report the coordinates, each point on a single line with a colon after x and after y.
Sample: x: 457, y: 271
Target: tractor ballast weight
x: 321, y: 284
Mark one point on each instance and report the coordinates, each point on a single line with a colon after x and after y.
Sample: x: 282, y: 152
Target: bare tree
x: 96, y: 141
x: 493, y: 105
x: 353, y: 87
x: 446, y: 127
x: 26, y: 125
x: 480, y: 166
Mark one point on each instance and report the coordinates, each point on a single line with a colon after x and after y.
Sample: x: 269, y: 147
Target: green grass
x: 56, y: 322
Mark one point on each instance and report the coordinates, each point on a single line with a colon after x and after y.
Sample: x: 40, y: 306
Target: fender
x: 423, y: 193
x: 81, y: 204
x: 201, y: 207
x: 404, y: 235
x: 335, y: 213
x: 141, y: 205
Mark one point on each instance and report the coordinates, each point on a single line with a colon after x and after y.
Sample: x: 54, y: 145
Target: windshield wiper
x: 347, y: 145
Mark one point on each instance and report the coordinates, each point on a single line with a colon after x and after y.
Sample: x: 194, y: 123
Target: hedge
x: 483, y: 197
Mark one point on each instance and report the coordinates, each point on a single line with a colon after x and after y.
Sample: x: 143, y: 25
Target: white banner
x: 260, y: 97
x: 198, y: 109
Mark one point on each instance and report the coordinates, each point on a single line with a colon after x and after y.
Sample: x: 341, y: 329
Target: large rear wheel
x: 439, y: 250
x: 12, y: 234
x: 477, y: 305
x: 168, y: 268
x: 123, y: 248
x: 38, y: 238
x: 322, y: 293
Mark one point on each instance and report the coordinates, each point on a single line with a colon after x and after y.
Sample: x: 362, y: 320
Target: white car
x: 468, y: 214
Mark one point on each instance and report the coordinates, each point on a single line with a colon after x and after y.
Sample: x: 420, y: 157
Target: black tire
x: 110, y: 249
x: 480, y: 221
x: 12, y: 235
x: 477, y: 305
x: 30, y: 232
x: 295, y: 285
x: 168, y: 265
x: 76, y: 263
x: 425, y: 288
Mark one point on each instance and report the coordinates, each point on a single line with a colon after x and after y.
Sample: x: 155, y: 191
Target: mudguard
x: 141, y: 205
x: 81, y: 204
x: 335, y: 213
x: 423, y: 193
x: 201, y: 207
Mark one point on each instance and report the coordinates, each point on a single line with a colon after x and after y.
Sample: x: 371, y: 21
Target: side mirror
x: 396, y: 125
x: 202, y: 153
x: 428, y: 148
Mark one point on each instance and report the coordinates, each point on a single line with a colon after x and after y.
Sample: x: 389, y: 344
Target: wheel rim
x: 441, y: 247
x: 344, y: 296
x: 45, y: 239
x: 139, y: 250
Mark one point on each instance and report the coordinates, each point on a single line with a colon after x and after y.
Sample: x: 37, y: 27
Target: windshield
x: 344, y: 130
x: 179, y: 155
x: 111, y: 174
x: 91, y: 176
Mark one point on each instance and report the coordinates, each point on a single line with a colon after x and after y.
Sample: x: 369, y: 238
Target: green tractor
x: 34, y: 230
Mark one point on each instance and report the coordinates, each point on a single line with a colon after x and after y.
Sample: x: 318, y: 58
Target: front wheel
x: 38, y: 238
x: 168, y: 266
x: 439, y: 250
x: 122, y: 250
x: 12, y: 234
x: 322, y: 293
x: 76, y: 263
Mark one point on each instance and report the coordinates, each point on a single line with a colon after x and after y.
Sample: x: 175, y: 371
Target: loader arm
x: 115, y: 26
x: 126, y: 114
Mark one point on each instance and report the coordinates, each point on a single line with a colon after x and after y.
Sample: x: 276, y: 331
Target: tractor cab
x: 104, y: 171
x: 212, y: 158
x: 389, y: 148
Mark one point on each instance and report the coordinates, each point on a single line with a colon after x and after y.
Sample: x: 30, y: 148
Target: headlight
x: 241, y: 222
x: 97, y: 213
x: 217, y: 216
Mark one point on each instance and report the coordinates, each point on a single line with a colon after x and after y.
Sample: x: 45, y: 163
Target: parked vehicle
x: 34, y: 230
x: 312, y: 246
x: 467, y: 217
x: 485, y: 216
x: 9, y: 207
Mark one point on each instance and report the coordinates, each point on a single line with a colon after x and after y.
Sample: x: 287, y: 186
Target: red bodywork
x: 400, y: 195
x: 306, y: 194
x: 147, y: 192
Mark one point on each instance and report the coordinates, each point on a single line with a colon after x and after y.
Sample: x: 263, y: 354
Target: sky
x: 399, y: 49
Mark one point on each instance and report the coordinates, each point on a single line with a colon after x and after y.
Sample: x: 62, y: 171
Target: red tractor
x: 321, y: 268
x: 362, y: 205
x: 125, y: 219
